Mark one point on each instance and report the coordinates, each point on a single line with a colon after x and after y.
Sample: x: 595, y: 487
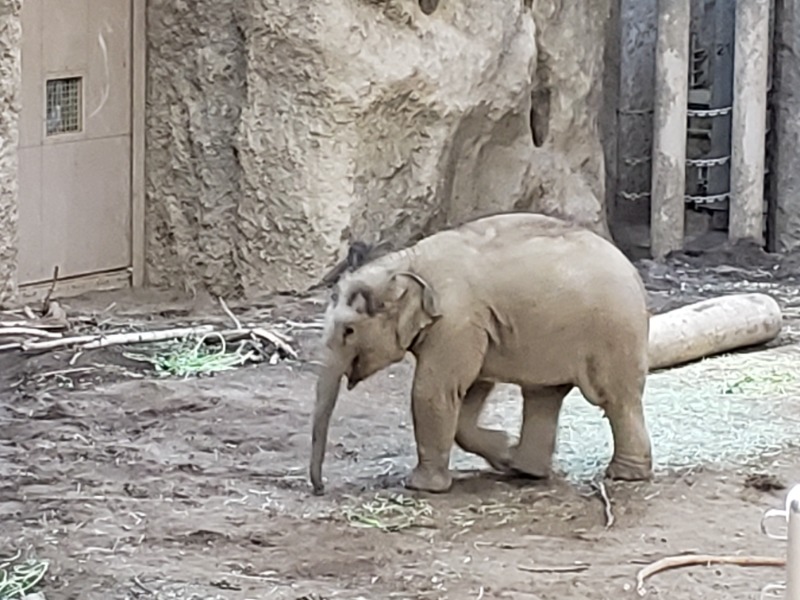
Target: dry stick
x: 601, y: 489
x: 567, y: 569
x: 297, y: 325
x: 36, y: 324
x: 236, y: 322
x: 274, y: 338
x: 271, y: 337
x: 46, y: 302
x: 101, y: 340
x: 53, y: 344
x: 116, y: 339
x: 672, y: 562
x: 64, y: 372
x: 88, y: 342
x: 142, y: 586
x: 33, y: 331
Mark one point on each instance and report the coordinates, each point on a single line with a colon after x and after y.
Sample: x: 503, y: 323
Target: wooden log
x: 711, y: 327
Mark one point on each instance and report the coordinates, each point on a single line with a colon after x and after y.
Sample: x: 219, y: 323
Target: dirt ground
x: 140, y: 487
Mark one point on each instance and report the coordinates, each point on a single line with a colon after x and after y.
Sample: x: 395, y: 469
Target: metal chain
x: 709, y: 113
x: 633, y: 196
x: 692, y: 162
x: 707, y: 162
x: 708, y: 199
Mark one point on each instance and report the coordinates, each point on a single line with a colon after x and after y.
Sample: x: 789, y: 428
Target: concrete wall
x: 276, y: 133
x: 9, y: 134
x: 785, y: 139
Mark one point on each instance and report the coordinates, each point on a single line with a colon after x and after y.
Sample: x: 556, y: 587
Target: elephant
x: 517, y: 298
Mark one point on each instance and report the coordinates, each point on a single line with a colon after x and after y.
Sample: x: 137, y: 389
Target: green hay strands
x: 16, y: 580
x: 390, y: 513
x: 191, y: 357
x: 728, y: 411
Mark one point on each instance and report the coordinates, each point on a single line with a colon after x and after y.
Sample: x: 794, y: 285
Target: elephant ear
x: 418, y: 306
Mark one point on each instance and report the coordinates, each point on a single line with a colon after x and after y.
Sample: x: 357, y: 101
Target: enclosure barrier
x: 748, y: 126
x: 668, y: 185
x: 791, y: 516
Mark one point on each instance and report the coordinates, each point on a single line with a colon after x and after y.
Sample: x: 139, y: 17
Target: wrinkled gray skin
x: 514, y: 298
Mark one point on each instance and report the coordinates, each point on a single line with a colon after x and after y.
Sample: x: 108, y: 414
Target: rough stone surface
x: 279, y: 131
x: 10, y: 31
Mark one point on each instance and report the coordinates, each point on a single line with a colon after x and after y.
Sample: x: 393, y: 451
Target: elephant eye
x: 348, y: 331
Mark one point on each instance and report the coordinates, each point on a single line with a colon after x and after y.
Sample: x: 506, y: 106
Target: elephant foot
x: 489, y: 444
x: 524, y: 465
x: 499, y: 458
x: 529, y: 469
x: 628, y: 470
x: 429, y: 480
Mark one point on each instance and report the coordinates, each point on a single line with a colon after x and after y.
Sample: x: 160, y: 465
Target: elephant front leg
x: 490, y: 444
x: 435, y: 415
x: 447, y: 366
x: 533, y: 455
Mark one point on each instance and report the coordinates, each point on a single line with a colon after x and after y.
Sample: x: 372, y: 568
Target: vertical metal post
x: 667, y: 205
x: 748, y: 127
x: 793, y: 551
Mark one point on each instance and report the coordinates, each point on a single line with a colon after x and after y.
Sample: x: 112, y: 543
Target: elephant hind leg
x: 490, y: 444
x: 533, y: 455
x: 617, y: 386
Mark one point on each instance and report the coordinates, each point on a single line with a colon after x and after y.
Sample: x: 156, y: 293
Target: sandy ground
x: 139, y: 487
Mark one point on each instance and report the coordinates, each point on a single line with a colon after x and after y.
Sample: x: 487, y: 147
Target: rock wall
x: 279, y: 131
x: 10, y: 31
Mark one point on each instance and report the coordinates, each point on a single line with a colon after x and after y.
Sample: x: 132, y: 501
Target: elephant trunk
x: 327, y: 393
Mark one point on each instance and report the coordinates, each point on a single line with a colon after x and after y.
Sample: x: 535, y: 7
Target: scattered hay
x: 191, y: 357
x: 391, y: 513
x: 495, y: 513
x: 722, y: 411
x: 16, y: 580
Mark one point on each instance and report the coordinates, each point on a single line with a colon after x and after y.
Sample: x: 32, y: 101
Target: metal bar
x: 793, y: 550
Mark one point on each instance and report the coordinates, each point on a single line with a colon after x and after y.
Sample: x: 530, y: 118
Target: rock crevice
x: 276, y: 134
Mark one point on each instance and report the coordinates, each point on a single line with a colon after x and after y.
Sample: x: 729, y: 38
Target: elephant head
x: 373, y: 317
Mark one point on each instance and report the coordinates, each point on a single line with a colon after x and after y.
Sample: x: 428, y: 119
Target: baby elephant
x: 515, y: 298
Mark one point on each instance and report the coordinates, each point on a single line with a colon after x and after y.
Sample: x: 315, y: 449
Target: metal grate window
x: 64, y: 100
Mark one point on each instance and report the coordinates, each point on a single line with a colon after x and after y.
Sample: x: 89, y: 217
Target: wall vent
x: 64, y: 105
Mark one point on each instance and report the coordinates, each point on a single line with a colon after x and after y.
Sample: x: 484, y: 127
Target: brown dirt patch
x: 145, y: 488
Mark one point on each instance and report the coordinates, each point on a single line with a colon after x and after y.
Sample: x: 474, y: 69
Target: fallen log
x: 712, y: 327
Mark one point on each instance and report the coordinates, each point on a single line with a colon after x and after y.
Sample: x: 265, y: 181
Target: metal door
x: 75, y: 138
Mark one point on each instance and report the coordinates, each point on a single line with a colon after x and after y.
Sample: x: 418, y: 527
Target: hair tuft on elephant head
x: 359, y: 253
